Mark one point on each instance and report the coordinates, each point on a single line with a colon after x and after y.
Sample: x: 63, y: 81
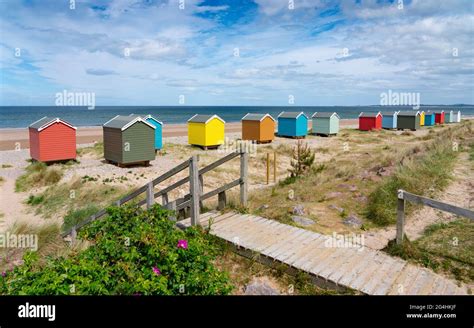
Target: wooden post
x: 118, y: 203
x: 73, y: 235
x: 150, y: 197
x: 274, y: 166
x: 243, y: 178
x: 400, y: 217
x: 201, y: 191
x: 172, y: 207
x: 222, y: 200
x: 164, y: 199
x: 268, y: 168
x: 194, y: 190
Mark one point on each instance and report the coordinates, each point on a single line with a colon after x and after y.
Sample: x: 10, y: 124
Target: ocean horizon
x: 23, y: 116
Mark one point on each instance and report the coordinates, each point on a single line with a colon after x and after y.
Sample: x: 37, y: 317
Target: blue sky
x: 240, y: 52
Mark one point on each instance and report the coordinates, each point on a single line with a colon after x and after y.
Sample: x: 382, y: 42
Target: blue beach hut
x: 389, y: 120
x: 292, y: 124
x: 429, y: 118
x: 158, y: 129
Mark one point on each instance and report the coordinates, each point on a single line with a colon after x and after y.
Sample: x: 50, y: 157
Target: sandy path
x: 12, y: 207
x: 460, y: 192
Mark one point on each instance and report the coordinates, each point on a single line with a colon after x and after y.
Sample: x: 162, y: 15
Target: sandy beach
x: 10, y: 138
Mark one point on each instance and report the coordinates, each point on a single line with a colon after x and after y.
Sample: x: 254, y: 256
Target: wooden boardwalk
x: 360, y: 268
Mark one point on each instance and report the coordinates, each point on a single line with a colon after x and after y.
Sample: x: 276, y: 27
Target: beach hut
x: 449, y: 116
x: 158, y: 129
x: 206, y: 130
x: 439, y: 117
x: 52, y: 139
x: 292, y: 124
x: 457, y: 116
x: 429, y: 118
x: 325, y: 123
x: 422, y: 118
x: 129, y: 140
x: 258, y: 127
x: 389, y: 120
x: 408, y: 120
x: 370, y: 121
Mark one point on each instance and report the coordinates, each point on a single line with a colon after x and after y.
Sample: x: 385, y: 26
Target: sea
x: 22, y: 116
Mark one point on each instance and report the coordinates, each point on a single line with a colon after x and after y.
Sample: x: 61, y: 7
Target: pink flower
x: 156, y: 271
x: 4, y: 274
x: 182, y: 243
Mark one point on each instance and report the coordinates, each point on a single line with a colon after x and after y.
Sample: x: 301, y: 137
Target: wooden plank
x: 171, y: 187
x: 384, y: 286
x: 261, y: 229
x: 368, y: 272
x: 291, y: 245
x: 380, y: 274
x: 296, y: 246
x: 221, y: 200
x: 329, y: 260
x: 438, y: 286
x: 220, y: 189
x: 347, y: 266
x: 274, y: 231
x: 315, y: 252
x: 308, y: 245
x: 317, y: 258
x: 438, y: 205
x: 427, y: 288
x: 283, y: 244
x: 356, y: 270
x: 134, y: 194
x: 338, y: 263
x: 419, y: 281
x: 406, y: 277
x: 280, y: 232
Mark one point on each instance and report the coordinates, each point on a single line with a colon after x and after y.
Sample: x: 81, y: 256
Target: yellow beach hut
x: 206, y: 130
x: 422, y: 118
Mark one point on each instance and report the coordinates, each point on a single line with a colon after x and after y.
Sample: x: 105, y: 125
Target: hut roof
x: 325, y: 114
x: 203, y: 118
x: 124, y: 122
x: 428, y: 112
x: 291, y: 114
x: 44, y: 122
x: 408, y: 113
x: 256, y: 117
x: 369, y: 114
x: 390, y: 113
x: 439, y: 111
x: 146, y: 117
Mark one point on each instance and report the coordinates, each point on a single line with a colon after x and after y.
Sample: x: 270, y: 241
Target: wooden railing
x: 191, y: 201
x: 404, y: 196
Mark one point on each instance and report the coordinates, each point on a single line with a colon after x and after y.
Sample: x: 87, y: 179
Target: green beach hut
x: 129, y: 140
x: 325, y: 123
x: 408, y: 120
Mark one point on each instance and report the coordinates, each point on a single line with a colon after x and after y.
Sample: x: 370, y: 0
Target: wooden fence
x: 190, y: 203
x: 404, y: 196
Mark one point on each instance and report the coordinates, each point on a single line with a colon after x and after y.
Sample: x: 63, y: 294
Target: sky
x: 239, y: 52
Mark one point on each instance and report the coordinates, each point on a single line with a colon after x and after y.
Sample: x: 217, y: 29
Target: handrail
x: 403, y: 196
x: 191, y: 200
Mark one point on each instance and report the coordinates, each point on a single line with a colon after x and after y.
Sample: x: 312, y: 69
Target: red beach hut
x: 370, y: 121
x: 439, y: 117
x: 52, y: 139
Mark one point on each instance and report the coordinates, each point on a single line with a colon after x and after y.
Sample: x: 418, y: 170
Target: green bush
x: 35, y: 200
x: 38, y: 174
x: 134, y: 252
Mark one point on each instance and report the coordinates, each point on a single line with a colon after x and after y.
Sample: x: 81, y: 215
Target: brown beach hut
x: 258, y: 127
x: 129, y: 140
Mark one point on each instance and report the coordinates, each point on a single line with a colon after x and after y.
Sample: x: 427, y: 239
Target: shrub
x: 134, y: 252
x: 38, y: 175
x: 302, y: 159
x: 35, y: 200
